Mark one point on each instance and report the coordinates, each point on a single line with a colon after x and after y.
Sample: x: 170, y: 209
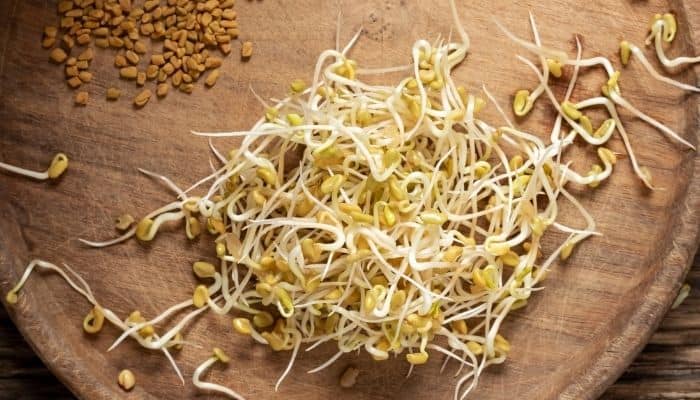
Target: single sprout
x: 555, y: 67
x: 571, y: 111
x: 220, y: 355
x: 297, y: 86
x: 522, y: 103
x: 203, y: 269
x: 242, y: 326
x: 94, y: 321
x: 200, y: 296
x: 58, y: 166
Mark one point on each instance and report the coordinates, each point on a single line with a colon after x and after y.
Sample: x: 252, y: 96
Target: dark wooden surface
x: 668, y: 368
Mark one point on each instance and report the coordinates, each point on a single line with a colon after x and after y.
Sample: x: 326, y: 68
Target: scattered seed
x: 246, y: 50
x: 85, y: 76
x: 162, y: 89
x: 212, y: 78
x: 57, y: 55
x: 88, y: 55
x: 50, y: 31
x: 48, y: 42
x: 67, y: 42
x: 139, y: 47
x: 82, y: 64
x: 81, y: 98
x: 142, y: 98
x: 132, y: 57
x: 128, y: 72
x: 120, y: 61
x: 113, y: 93
x: 126, y: 380
x: 71, y: 61
x: 83, y: 39
x: 186, y: 88
x: 74, y: 82
x: 349, y: 377
x: 141, y: 78
x: 71, y: 71
x: 151, y: 71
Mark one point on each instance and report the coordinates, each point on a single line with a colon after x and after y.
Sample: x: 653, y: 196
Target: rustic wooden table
x: 668, y: 368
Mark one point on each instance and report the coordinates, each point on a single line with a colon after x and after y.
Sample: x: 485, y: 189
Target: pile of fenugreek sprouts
x: 389, y: 219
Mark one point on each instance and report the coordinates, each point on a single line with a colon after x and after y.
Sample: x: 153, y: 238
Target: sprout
x: 58, y: 166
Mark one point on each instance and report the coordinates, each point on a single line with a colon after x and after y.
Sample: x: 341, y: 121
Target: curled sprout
x: 58, y: 166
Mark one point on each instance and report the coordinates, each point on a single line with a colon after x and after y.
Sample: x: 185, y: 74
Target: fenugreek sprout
x: 58, y: 166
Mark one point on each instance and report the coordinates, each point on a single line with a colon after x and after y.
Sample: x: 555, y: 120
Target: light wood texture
x: 573, y: 340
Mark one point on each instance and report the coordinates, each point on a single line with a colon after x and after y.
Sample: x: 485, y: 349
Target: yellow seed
x: 361, y: 217
x: 452, y: 253
x: 625, y: 52
x: 391, y: 157
x: 670, y: 27
x: 142, y: 98
x: 81, y: 98
x: 258, y: 197
x: 395, y: 190
x: 426, y: 76
x: 481, y: 168
x: 143, y: 229
x: 370, y: 300
x: 263, y: 319
x: 204, y: 269
x: 606, y: 155
x: 510, y: 259
x: 57, y: 55
x: 495, y: 246
x: 332, y: 184
x: 126, y: 380
x: 212, y: 78
x: 475, y: 348
x: 566, y: 250
x: 193, y: 228
x: 515, y: 162
x: 311, y: 250
x: 605, y: 128
x: 490, y: 276
x: 522, y: 104
x: 11, y: 297
x: 501, y: 344
x: 460, y: 326
x: 58, y: 166
x: 124, y: 222
x: 113, y: 93
x: 242, y: 326
x: 478, y: 278
x: 389, y: 217
x: 284, y: 299
x: 586, y: 124
x: 200, y: 296
x: 94, y: 321
x: 295, y: 119
x: 267, y: 175
x: 220, y: 249
x: 433, y: 218
x: 398, y: 299
x: 570, y: 110
x: 220, y: 355
x: 297, y: 85
x: 275, y: 342
x: 554, y: 67
x: 417, y: 358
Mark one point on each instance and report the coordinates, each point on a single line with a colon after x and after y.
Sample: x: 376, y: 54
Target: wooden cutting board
x: 574, y: 338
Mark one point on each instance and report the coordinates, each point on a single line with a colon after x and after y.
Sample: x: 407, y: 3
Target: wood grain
x: 596, y: 314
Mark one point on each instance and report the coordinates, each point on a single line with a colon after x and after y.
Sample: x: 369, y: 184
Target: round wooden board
x: 571, y: 342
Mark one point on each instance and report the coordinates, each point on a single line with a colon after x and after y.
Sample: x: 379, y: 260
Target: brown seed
x: 74, y: 82
x: 150, y: 4
x: 116, y: 21
x: 81, y: 98
x: 85, y: 76
x: 227, y: 39
x: 146, y: 29
x: 117, y: 32
x: 168, y: 68
x: 128, y: 72
x: 120, y: 61
x: 210, y: 5
x: 71, y: 61
x: 102, y: 43
x: 229, y: 14
x: 151, y: 71
x: 139, y: 47
x: 47, y: 42
x: 67, y: 22
x: 91, y: 24
x: 141, y: 78
x: 176, y: 62
x: 96, y: 14
x: 225, y: 48
x: 65, y: 6
x: 146, y: 18
x: 133, y: 34
x: 132, y: 57
x: 57, y: 55
x: 162, y: 76
x: 229, y: 24
x: 187, y: 78
x: 74, y: 13
x: 74, y: 29
x: 50, y: 31
x: 157, y: 59
x: 212, y: 77
x: 71, y: 71
x: 88, y: 54
x: 227, y: 3
x: 113, y: 93
x: 116, y: 42
x: 212, y: 62
x: 176, y: 78
x: 187, y: 88
x: 101, y: 32
x: 246, y: 50
x: 162, y: 89
x: 136, y: 13
x: 142, y: 98
x: 128, y: 43
x: 167, y: 55
x: 205, y: 19
x: 83, y: 39
x: 349, y: 377
x: 180, y: 52
x: 82, y: 64
x: 125, y: 5
x: 67, y: 42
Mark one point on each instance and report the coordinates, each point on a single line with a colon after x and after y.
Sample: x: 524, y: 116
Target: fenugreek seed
x: 82, y: 64
x: 142, y: 98
x: 204, y: 269
x: 85, y: 76
x: 168, y: 69
x: 132, y: 57
x: 212, y: 78
x: 625, y: 52
x: 554, y: 67
x: 120, y: 61
x: 126, y: 380
x: 115, y: 42
x: 570, y: 110
x: 200, y: 296
x: 94, y: 321
x: 57, y: 55
x: 87, y: 55
x: 48, y: 42
x: 349, y: 377
x: 162, y: 76
x: 102, y: 43
x: 151, y: 72
x: 128, y: 72
x: 263, y: 319
x: 50, y: 31
x: 65, y: 6
x: 417, y: 358
x: 101, y: 32
x: 242, y: 326
x: 83, y: 39
x: 67, y: 22
x: 157, y: 59
x: 177, y: 78
x: 141, y: 78
x: 71, y: 71
x: 113, y: 93
x: 74, y: 82
x: 522, y: 104
x: 246, y: 50
x: 67, y: 42
x: 212, y: 62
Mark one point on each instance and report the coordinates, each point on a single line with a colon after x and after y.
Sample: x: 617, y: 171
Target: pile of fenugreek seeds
x: 190, y: 32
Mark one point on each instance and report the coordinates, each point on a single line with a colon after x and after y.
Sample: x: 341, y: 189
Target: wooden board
x: 573, y: 340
